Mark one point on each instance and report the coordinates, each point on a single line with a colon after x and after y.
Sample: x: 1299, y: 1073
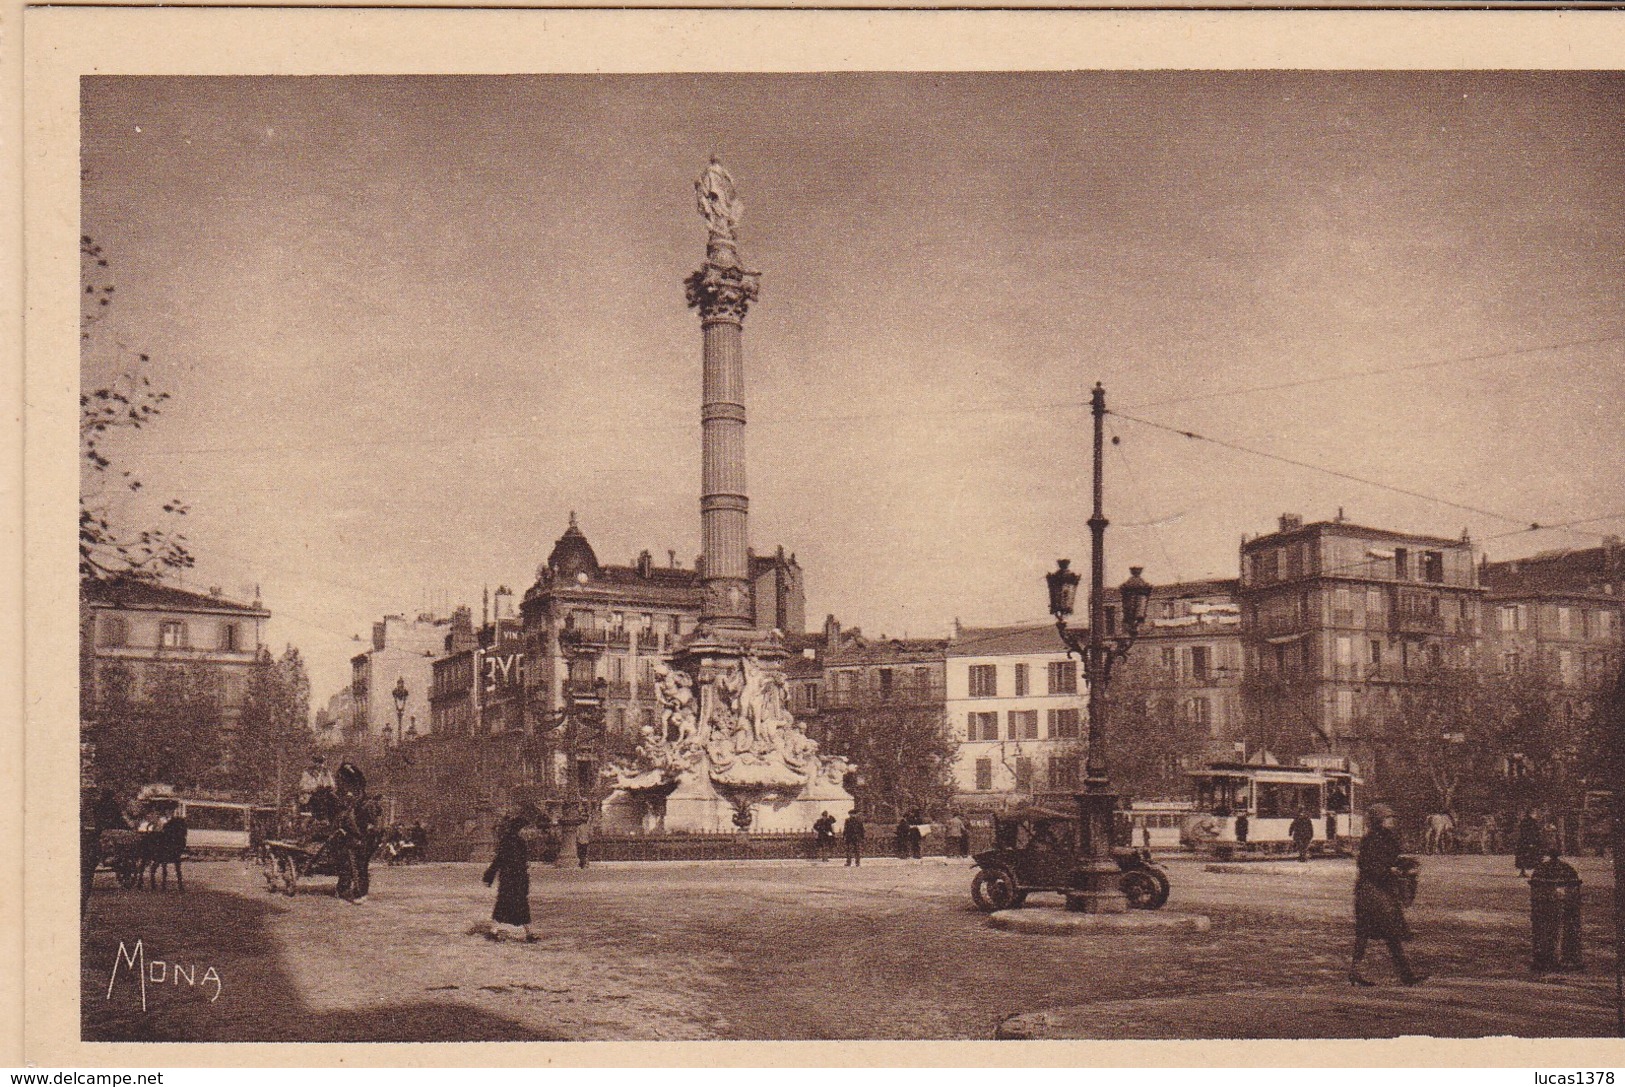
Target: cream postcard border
x: 61, y: 44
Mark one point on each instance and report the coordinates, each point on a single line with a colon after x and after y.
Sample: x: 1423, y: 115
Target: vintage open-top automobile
x: 1039, y: 847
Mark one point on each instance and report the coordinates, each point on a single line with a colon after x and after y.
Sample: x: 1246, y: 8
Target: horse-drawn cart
x: 120, y: 852
x: 284, y: 862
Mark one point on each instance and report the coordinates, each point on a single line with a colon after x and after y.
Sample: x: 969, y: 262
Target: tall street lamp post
x: 1096, y: 881
x: 401, y: 694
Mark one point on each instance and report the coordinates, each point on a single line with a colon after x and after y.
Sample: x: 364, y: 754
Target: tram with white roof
x: 1243, y: 808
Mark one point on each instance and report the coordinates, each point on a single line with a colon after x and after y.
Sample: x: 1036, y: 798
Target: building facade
x: 134, y: 634
x: 1015, y: 705
x: 1557, y: 614
x: 402, y: 656
x: 1187, y: 662
x: 145, y: 627
x: 1337, y: 619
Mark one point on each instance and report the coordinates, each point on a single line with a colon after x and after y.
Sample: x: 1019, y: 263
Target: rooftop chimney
x: 1291, y: 521
x: 645, y: 563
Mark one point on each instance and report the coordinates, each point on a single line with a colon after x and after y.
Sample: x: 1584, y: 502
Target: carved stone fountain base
x: 731, y: 743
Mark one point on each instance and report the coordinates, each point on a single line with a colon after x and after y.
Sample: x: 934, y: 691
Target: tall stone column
x: 729, y: 754
x: 722, y: 290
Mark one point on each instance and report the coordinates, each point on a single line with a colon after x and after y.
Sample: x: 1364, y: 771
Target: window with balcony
x: 114, y: 631
x: 1170, y: 659
x: 982, y: 726
x: 172, y: 634
x: 1063, y: 724
x: 1024, y: 775
x: 1565, y: 622
x: 1063, y: 677
x: 1433, y: 566
x: 1024, y: 724
x: 984, y: 775
x: 883, y: 679
x: 1021, y: 680
x: 1198, y: 712
x: 984, y: 681
x: 1402, y: 564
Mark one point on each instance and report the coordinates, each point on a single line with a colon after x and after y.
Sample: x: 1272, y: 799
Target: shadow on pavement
x: 257, y: 1001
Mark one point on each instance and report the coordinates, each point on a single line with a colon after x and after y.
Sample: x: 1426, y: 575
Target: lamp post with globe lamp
x: 1096, y: 880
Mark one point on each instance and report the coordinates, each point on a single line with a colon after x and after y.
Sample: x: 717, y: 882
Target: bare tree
x: 108, y: 545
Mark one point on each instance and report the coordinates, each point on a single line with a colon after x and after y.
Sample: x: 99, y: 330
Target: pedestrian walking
x: 852, y: 832
x: 510, y: 869
x: 824, y: 836
x: 958, y: 835
x: 916, y: 835
x: 903, y: 830
x: 1379, y: 910
x: 1241, y: 828
x: 584, y: 834
x: 1489, y: 835
x: 1530, y: 842
x: 1302, y: 833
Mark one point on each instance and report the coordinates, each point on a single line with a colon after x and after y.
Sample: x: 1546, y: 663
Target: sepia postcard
x: 787, y: 537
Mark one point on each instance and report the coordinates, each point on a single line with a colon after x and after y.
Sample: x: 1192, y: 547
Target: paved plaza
x: 797, y: 950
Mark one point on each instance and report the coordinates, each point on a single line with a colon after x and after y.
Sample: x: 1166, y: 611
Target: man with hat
x: 1379, y: 910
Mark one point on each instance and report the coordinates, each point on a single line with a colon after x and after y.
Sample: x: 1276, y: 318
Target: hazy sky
x: 410, y: 323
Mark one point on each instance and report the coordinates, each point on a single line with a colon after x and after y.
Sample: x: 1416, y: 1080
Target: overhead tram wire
x: 1379, y: 372
x: 643, y: 427
x: 1156, y: 529
x: 1529, y: 522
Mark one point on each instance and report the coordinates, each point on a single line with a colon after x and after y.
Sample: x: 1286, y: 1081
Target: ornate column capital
x: 722, y: 292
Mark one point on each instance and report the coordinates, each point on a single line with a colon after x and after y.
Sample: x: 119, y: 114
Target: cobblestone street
x: 793, y: 950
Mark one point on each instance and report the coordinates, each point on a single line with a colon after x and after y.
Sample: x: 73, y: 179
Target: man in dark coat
x: 1302, y: 833
x: 1379, y: 911
x: 852, y: 831
x: 355, y: 830
x: 1530, y: 843
x: 902, y: 837
x: 510, y: 869
x: 824, y: 830
x: 1241, y: 828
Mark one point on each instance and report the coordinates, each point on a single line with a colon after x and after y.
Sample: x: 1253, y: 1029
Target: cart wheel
x: 1143, y: 889
x: 994, y: 889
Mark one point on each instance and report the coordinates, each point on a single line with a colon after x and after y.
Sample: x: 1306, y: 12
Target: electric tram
x: 1325, y: 788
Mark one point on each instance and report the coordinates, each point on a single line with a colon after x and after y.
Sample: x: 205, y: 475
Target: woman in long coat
x: 510, y: 868
x: 1379, y: 910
